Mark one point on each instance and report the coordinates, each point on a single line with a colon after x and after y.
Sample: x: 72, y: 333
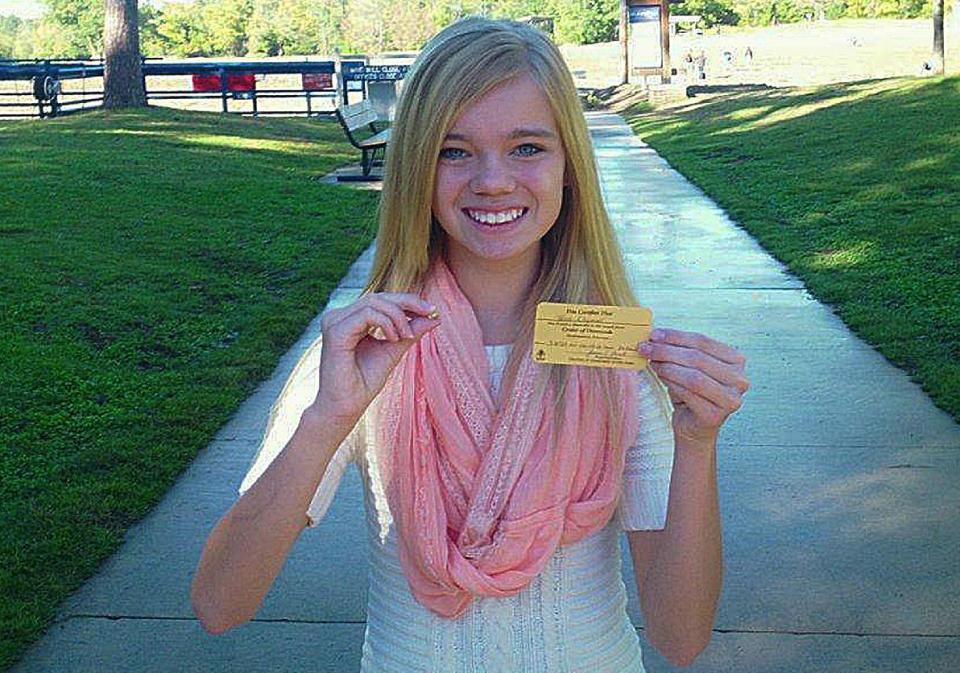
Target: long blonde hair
x: 580, y: 258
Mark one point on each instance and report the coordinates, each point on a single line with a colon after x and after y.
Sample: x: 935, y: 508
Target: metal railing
x: 48, y: 88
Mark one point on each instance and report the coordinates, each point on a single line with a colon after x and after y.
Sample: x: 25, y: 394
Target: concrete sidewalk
x: 839, y: 487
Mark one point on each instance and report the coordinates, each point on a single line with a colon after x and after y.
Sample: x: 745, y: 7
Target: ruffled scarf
x: 479, y: 497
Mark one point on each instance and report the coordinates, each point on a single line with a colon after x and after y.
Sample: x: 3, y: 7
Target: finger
x: 726, y: 374
x: 397, y: 305
x: 400, y: 320
x: 421, y: 326
x: 359, y: 324
x: 410, y: 303
x: 407, y: 301
x: 708, y: 413
x: 699, y: 341
x: 698, y: 383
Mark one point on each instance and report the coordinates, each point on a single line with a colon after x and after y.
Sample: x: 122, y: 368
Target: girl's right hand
x: 354, y: 364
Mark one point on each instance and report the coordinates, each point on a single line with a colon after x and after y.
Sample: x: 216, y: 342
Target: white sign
x: 646, y: 50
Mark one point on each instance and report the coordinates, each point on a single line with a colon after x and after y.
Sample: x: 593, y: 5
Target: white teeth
x: 496, y: 218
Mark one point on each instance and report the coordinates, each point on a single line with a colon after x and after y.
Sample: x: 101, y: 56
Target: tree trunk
x: 122, y: 72
x: 937, y: 60
x: 624, y: 46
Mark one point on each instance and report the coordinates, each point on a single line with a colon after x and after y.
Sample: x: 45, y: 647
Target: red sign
x: 317, y: 81
x: 206, y: 82
x: 246, y: 82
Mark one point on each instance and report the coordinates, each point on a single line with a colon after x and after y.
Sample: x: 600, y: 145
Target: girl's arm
x: 247, y: 548
x: 679, y: 569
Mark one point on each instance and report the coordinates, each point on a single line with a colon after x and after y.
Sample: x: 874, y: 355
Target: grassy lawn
x: 856, y: 187
x: 155, y: 265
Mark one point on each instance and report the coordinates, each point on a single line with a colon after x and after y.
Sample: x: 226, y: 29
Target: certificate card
x: 591, y: 335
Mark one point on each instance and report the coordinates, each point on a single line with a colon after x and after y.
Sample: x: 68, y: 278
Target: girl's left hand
x: 705, y: 378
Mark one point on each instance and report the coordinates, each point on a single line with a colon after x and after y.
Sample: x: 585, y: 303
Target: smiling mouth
x: 495, y: 218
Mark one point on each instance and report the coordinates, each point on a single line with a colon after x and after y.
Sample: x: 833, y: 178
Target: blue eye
x: 528, y: 150
x: 452, y: 153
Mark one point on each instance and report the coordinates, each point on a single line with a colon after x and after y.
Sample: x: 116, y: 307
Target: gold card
x: 591, y: 335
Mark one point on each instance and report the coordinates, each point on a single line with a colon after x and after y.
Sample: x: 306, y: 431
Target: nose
x: 492, y: 176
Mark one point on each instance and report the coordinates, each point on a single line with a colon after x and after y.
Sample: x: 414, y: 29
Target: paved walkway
x: 839, y: 487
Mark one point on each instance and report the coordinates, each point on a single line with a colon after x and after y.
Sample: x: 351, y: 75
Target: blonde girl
x: 495, y: 487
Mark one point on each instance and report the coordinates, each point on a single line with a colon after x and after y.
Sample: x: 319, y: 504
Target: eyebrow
x: 513, y: 135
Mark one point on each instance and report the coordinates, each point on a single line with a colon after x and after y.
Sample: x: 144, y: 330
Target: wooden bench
x: 356, y: 116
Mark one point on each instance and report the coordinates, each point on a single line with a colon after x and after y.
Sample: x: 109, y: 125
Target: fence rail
x: 51, y: 88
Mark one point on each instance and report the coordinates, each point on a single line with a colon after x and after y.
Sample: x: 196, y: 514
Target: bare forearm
x: 248, y: 546
x: 682, y: 585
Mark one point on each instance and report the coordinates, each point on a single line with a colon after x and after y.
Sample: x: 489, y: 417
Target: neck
x: 497, y: 290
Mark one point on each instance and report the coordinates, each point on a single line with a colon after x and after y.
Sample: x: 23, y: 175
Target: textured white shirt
x: 571, y: 617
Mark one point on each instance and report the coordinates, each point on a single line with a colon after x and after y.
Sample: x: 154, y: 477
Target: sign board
x: 242, y: 82
x: 646, y: 47
x: 348, y: 66
x: 246, y: 82
x: 206, y: 82
x: 373, y: 73
x: 317, y: 81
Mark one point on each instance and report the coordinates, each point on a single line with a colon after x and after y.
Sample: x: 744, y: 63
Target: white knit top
x: 571, y: 617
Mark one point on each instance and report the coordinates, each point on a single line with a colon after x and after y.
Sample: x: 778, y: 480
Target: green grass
x: 855, y: 187
x: 155, y: 265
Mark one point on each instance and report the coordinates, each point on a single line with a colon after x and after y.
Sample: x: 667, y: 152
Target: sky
x: 25, y: 9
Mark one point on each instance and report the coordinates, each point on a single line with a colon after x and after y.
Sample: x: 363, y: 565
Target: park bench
x: 356, y: 116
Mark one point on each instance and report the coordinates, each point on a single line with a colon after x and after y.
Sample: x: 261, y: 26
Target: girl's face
x: 500, y: 176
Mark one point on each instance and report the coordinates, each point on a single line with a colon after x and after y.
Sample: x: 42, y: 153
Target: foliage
x: 204, y: 27
x: 768, y: 12
x: 227, y: 22
x: 72, y: 28
x: 279, y: 27
x: 9, y: 27
x: 712, y: 12
x: 69, y: 29
x: 585, y: 21
x: 83, y: 20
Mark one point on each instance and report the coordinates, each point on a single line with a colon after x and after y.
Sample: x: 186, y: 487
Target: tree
x: 711, y: 12
x: 150, y: 42
x: 182, y: 31
x: 364, y: 26
x: 227, y: 20
x: 295, y: 27
x: 9, y: 27
x: 409, y: 25
x: 122, y: 72
x: 937, y: 60
x: 81, y: 22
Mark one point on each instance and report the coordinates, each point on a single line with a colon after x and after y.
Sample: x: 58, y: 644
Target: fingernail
x: 645, y: 347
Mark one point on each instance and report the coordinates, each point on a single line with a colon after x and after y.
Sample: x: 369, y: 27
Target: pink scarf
x: 479, y: 497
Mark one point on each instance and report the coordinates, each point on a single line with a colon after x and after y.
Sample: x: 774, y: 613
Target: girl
x: 495, y: 487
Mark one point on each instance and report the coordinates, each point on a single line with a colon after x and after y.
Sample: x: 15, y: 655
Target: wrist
x: 702, y: 443
x: 318, y: 419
